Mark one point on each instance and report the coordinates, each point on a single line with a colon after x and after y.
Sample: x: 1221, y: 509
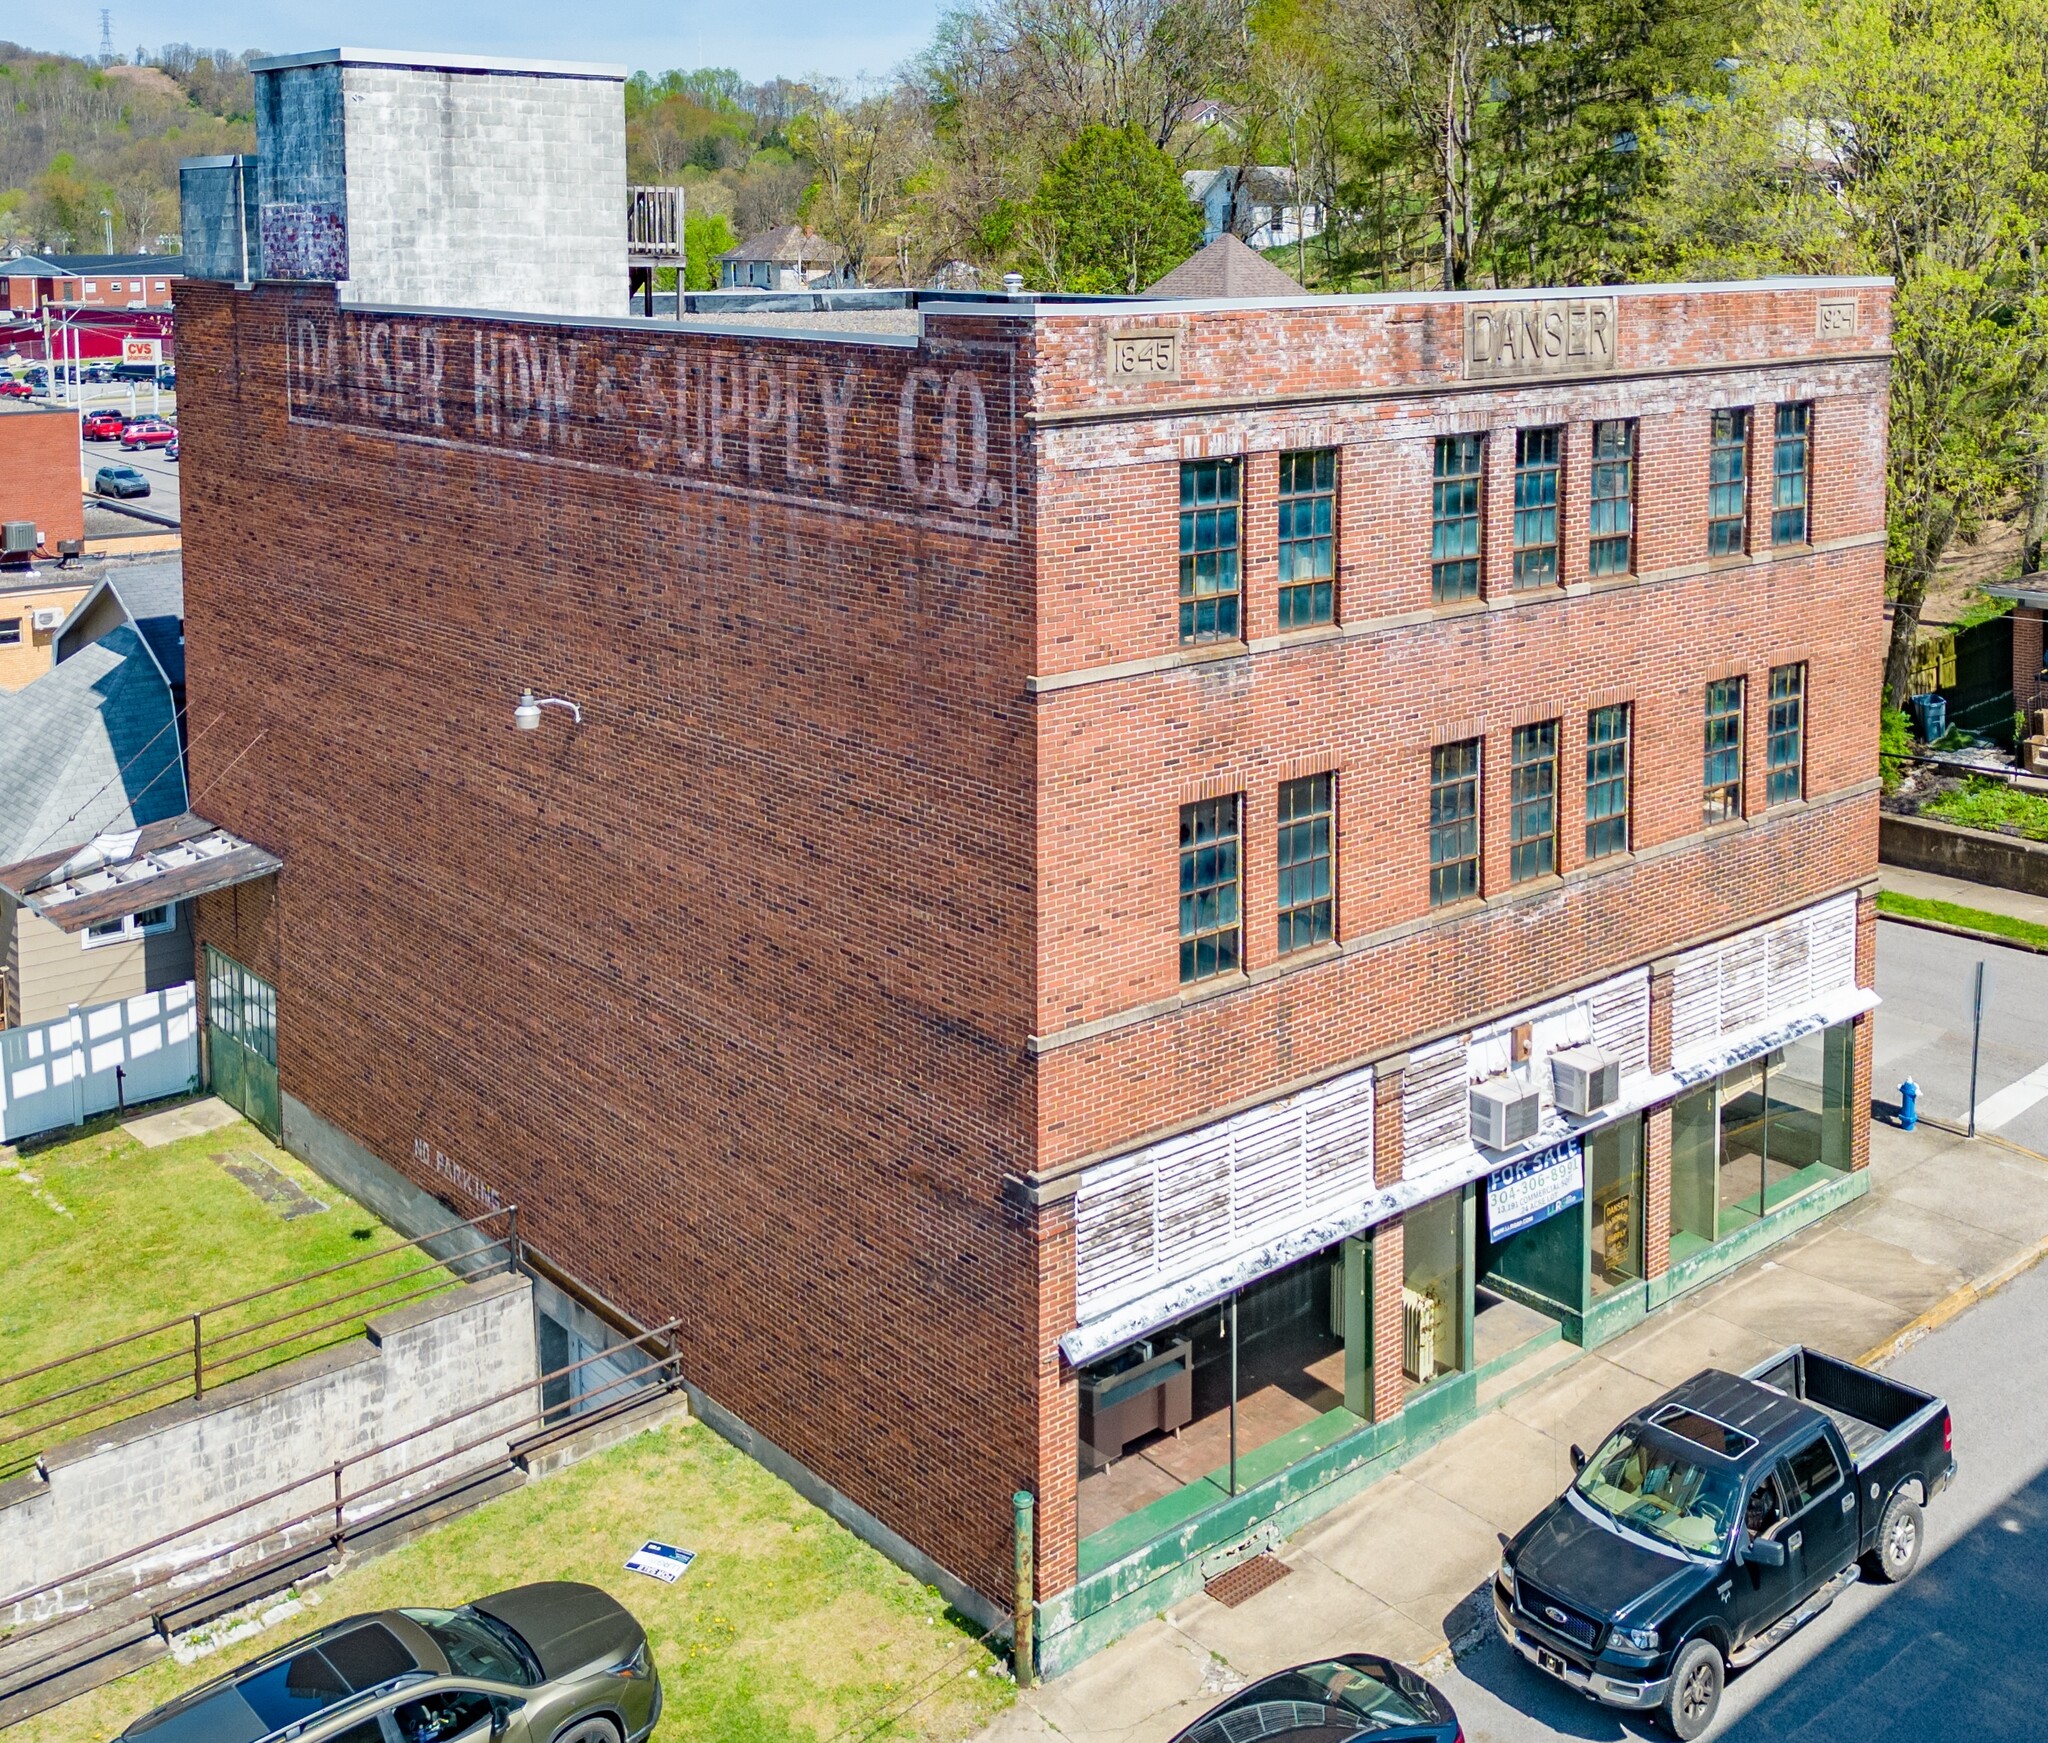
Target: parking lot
x: 130, y: 399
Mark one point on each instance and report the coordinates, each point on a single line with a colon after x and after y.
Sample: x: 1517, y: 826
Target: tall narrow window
x: 1607, y: 772
x: 1209, y: 887
x: 1454, y: 518
x: 1308, y: 538
x: 1532, y: 802
x: 1306, y: 888
x: 1728, y: 486
x: 1613, y: 547
x: 1209, y: 558
x: 1790, y: 459
x: 1724, y: 750
x: 1453, y: 822
x: 1538, y: 454
x: 1785, y: 745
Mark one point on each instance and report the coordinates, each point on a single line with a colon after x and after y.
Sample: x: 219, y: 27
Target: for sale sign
x: 1538, y: 1186
x: 136, y: 350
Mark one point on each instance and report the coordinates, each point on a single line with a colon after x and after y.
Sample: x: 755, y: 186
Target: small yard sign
x: 661, y: 1561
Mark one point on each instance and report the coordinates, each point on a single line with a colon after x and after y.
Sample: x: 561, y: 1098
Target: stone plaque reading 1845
x: 1546, y: 336
x: 1153, y: 355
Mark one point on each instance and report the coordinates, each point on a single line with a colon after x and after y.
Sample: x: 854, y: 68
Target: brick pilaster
x: 1657, y: 1193
x: 1387, y: 1271
x: 1057, y: 1563
x: 1387, y: 1139
x: 1865, y: 1033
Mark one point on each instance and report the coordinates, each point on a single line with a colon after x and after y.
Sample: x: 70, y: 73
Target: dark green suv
x: 554, y: 1663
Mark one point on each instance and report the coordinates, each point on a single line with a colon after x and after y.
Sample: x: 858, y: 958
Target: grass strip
x: 1992, y: 925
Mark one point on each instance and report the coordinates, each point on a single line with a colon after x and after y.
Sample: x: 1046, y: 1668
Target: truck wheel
x: 1900, y: 1533
x: 1695, y: 1695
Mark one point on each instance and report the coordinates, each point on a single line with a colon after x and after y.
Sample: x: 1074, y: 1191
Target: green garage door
x: 241, y: 1040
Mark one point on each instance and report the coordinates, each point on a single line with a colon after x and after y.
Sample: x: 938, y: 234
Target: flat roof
x: 427, y: 60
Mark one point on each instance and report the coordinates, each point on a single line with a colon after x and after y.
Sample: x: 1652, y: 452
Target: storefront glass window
x: 1614, y: 1182
x: 1768, y: 1132
x: 1230, y: 1394
x: 1433, y: 1290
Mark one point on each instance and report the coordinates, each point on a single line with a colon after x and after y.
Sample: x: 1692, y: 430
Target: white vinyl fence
x: 61, y: 1072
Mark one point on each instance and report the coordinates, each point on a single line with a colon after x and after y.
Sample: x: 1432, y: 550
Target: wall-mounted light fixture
x: 527, y: 715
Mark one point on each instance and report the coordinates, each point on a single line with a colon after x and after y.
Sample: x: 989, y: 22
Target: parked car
x: 102, y: 425
x: 148, y: 432
x: 12, y: 389
x: 171, y: 453
x: 1715, y: 1523
x: 1356, y: 1697
x: 119, y: 481
x: 552, y: 1663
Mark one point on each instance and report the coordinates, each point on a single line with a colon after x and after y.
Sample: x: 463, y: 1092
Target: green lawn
x: 100, y: 1237
x: 788, y: 1629
x: 1969, y: 919
x: 1983, y: 803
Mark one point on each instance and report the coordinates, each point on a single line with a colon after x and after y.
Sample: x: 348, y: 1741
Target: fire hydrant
x: 1909, y: 1105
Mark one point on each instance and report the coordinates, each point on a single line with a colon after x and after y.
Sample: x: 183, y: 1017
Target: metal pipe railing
x: 209, y: 1348
x: 665, y: 1363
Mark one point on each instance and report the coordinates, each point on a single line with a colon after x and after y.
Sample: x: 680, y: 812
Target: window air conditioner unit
x: 1505, y: 1111
x: 19, y: 536
x: 1586, y: 1079
x: 47, y: 617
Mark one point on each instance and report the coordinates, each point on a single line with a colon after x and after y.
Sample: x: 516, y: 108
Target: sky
x: 759, y: 38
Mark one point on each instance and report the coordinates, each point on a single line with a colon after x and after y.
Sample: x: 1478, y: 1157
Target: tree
x: 865, y: 147
x: 706, y: 235
x: 1901, y: 137
x: 1111, y: 214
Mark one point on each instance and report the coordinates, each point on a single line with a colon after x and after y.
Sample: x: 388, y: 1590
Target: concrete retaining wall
x: 1923, y: 844
x: 186, y: 1462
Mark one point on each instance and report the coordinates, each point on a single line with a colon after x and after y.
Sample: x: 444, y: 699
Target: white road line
x: 2010, y: 1102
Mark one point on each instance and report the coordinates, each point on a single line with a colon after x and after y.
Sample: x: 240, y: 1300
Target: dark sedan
x: 119, y: 481
x: 1353, y: 1697
x: 552, y: 1663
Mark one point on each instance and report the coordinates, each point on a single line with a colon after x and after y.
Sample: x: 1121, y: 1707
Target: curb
x: 1957, y: 1302
x: 1969, y: 932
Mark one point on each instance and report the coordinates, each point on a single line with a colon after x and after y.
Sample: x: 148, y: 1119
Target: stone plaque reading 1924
x: 1152, y: 355
x: 1836, y: 318
x: 1539, y: 337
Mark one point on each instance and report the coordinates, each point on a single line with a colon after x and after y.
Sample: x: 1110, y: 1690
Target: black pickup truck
x: 1715, y: 1522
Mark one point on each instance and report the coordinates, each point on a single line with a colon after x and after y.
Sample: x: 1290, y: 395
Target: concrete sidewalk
x: 1990, y: 898
x: 1403, y: 1568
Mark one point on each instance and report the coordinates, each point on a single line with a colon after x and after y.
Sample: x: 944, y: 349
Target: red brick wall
x: 726, y: 987
x: 39, y: 476
x: 2030, y: 663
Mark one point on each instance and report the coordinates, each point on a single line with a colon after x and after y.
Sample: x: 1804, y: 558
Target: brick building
x: 1082, y: 814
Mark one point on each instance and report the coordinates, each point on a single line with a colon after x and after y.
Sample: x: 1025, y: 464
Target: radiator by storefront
x: 1418, y: 1334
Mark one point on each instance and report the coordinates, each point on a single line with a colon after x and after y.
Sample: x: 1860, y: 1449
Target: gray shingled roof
x: 1226, y: 268
x: 787, y: 242
x: 91, y: 745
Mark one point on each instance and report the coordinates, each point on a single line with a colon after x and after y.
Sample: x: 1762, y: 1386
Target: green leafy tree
x: 1902, y: 137
x: 706, y: 235
x: 1111, y: 214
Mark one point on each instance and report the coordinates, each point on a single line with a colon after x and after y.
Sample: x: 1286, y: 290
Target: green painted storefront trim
x: 1704, y: 1265
x: 1608, y: 1316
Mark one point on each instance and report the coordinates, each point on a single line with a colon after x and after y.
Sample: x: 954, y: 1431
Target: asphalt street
x: 1923, y: 1032
x: 1955, y: 1655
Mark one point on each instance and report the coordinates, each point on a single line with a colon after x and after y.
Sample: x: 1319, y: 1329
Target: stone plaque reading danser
x: 1545, y: 336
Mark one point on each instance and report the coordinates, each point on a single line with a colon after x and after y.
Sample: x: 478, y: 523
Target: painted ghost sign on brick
x: 922, y: 433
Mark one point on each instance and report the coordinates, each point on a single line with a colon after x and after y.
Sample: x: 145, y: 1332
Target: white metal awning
x: 1148, y: 1313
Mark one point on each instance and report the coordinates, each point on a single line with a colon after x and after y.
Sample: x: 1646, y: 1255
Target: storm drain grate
x: 1247, y: 1580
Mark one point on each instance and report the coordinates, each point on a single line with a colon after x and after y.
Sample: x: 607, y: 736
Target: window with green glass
x: 1791, y: 457
x: 1785, y: 740
x: 1532, y: 802
x: 1307, y: 882
x: 1728, y: 485
x: 1453, y: 822
x: 1612, y: 550
x: 1210, y: 889
x: 1454, y: 518
x: 1211, y: 584
x: 1607, y: 776
x: 1308, y: 538
x: 1723, y: 773
x: 1539, y: 458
